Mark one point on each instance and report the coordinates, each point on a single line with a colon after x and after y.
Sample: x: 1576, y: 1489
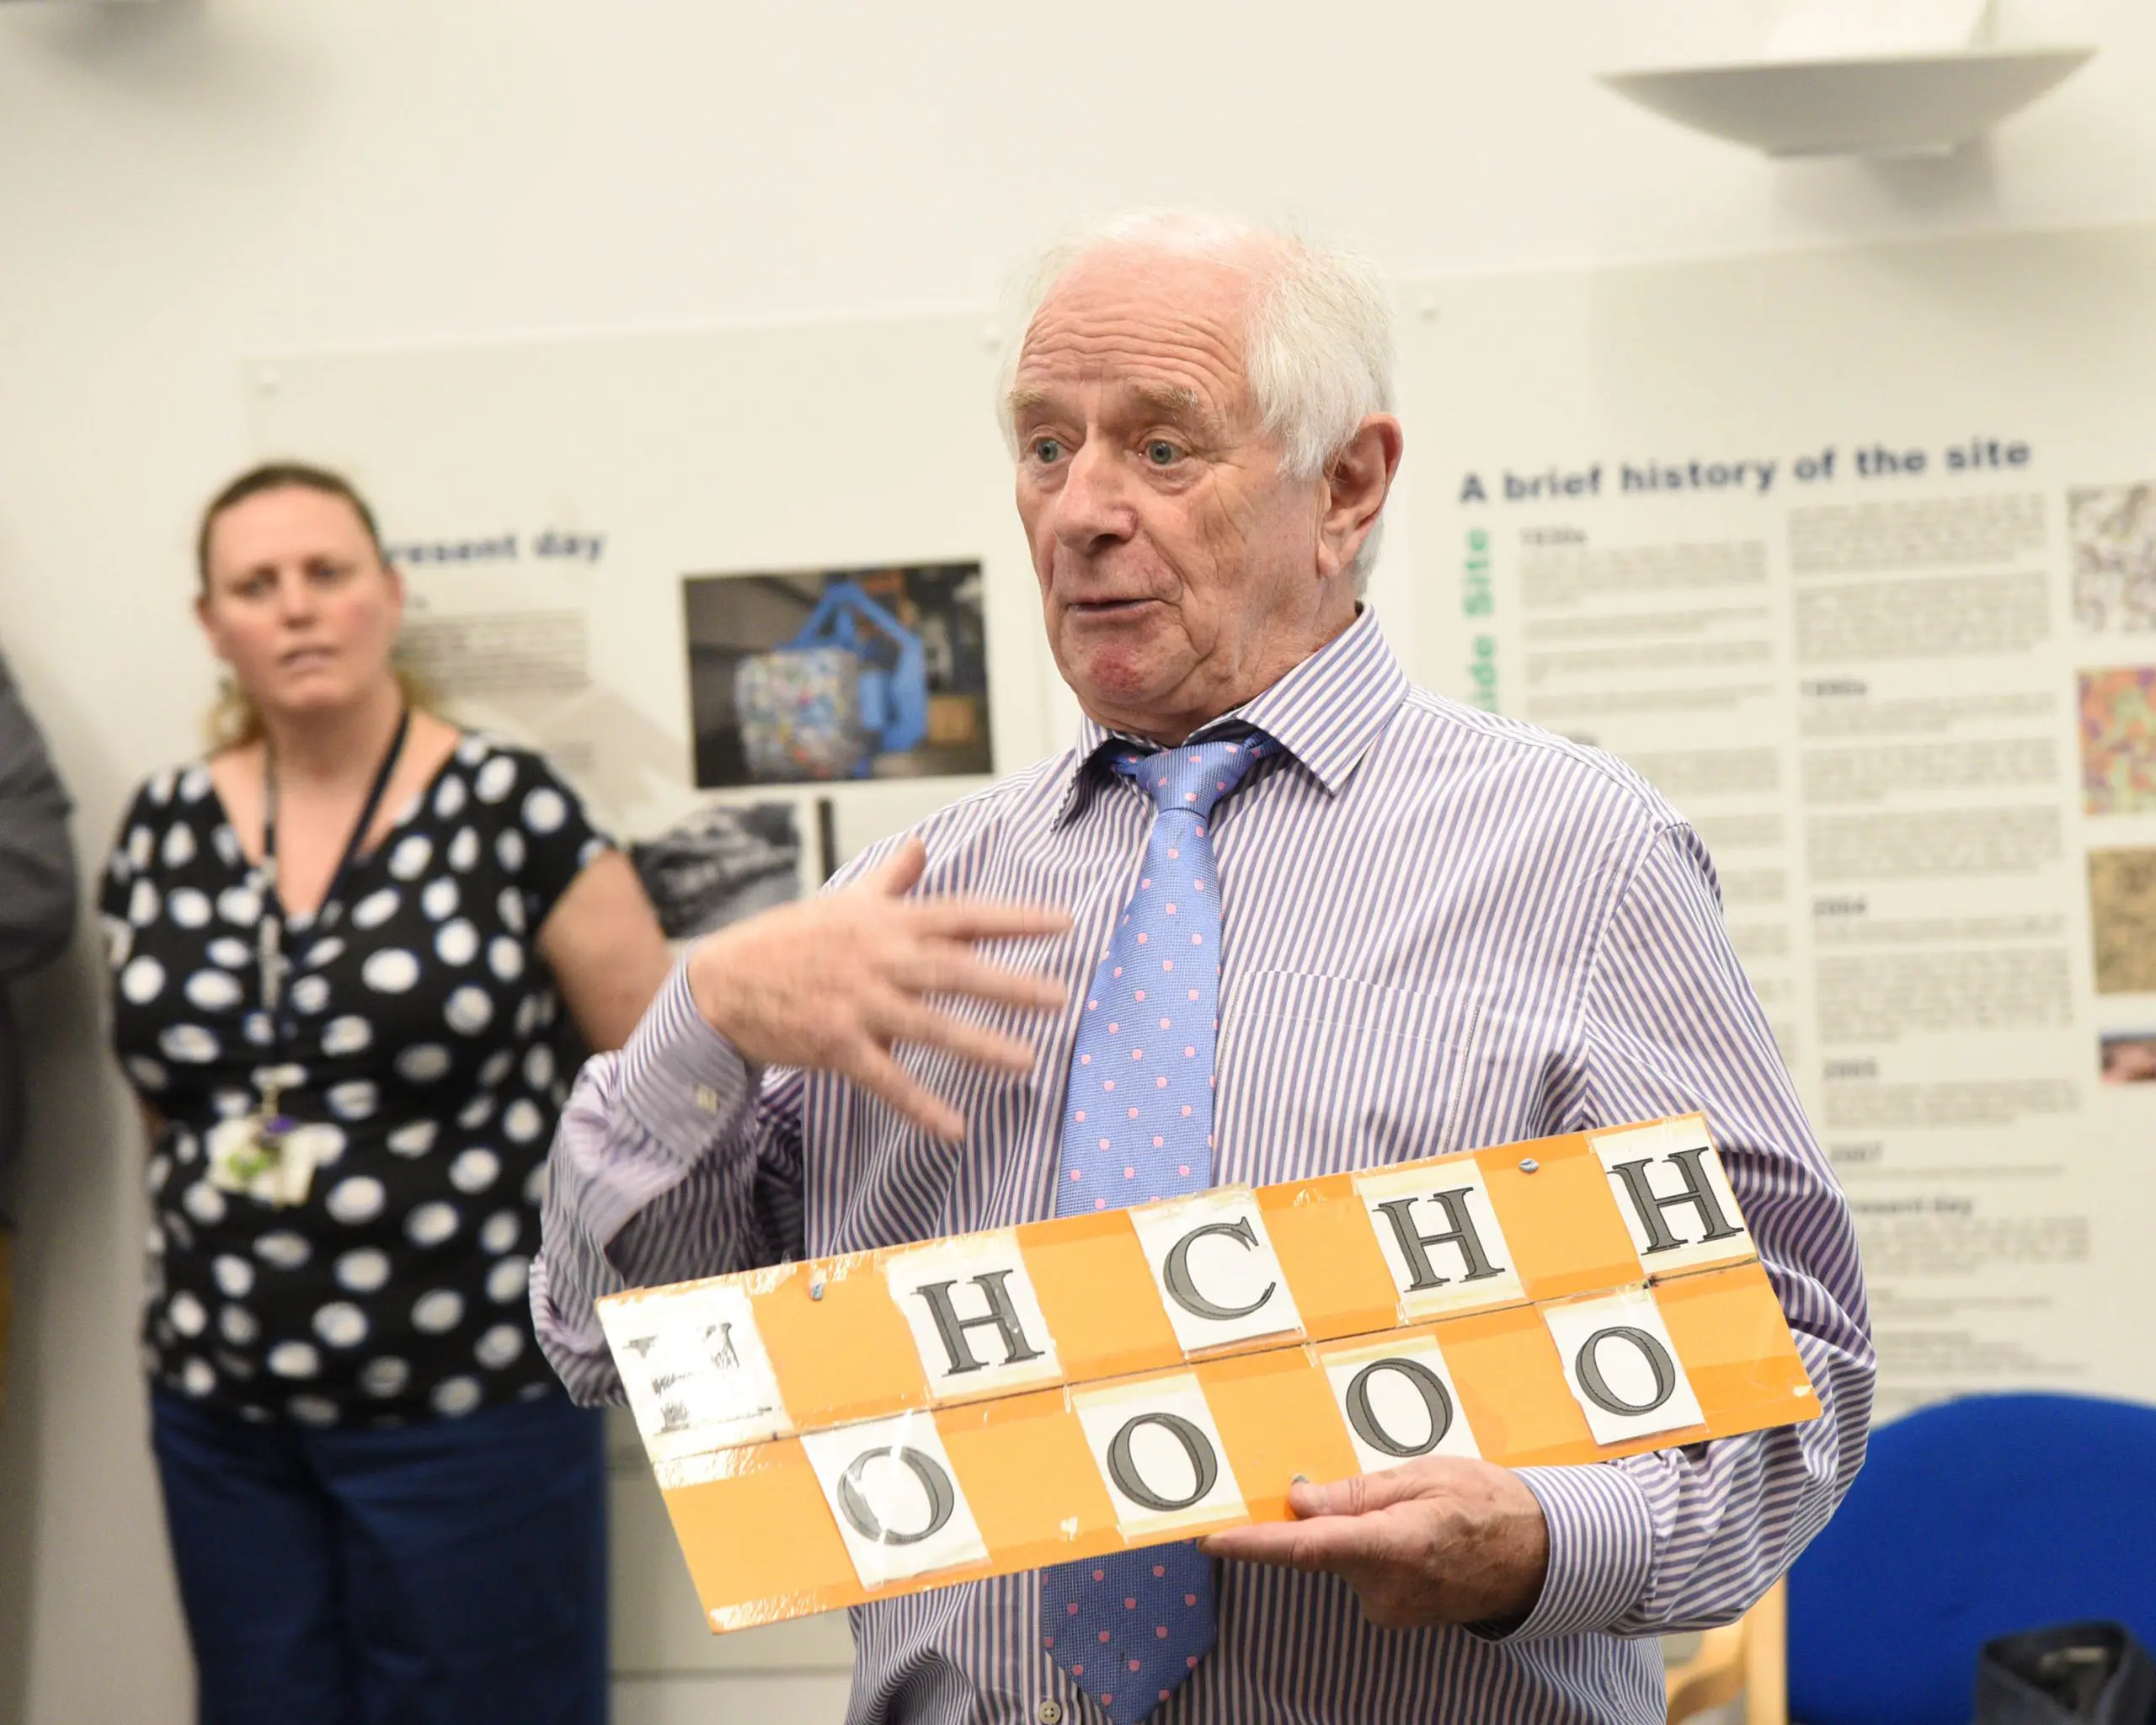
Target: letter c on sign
x: 1176, y: 1272
x: 1364, y: 1417
x: 853, y: 1504
x: 1588, y: 1363
x: 1122, y: 1466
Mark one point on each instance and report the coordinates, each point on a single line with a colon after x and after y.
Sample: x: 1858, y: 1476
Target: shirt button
x: 708, y: 1098
x: 1050, y: 1713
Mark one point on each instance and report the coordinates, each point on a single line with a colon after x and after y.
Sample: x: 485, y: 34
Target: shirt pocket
x: 1319, y: 1074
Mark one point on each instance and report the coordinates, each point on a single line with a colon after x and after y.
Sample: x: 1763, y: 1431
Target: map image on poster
x: 2114, y: 529
x: 842, y: 674
x: 2118, y: 741
x: 2122, y: 912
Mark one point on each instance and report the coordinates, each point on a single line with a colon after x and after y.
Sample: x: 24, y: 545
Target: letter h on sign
x: 1001, y: 1314
x: 1440, y: 1237
x: 975, y: 1319
x: 1675, y: 1199
x: 1460, y: 1231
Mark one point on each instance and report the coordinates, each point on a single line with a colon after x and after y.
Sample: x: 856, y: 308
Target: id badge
x: 275, y: 1171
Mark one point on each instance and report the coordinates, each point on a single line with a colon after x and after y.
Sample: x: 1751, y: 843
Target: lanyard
x: 269, y: 959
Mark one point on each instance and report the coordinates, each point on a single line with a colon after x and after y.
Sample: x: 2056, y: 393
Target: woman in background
x: 336, y: 949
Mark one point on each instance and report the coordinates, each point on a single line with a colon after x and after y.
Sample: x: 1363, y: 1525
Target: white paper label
x: 1159, y: 1454
x: 895, y: 1497
x: 1621, y: 1366
x: 1674, y: 1195
x: 1399, y: 1402
x: 696, y: 1370
x: 1440, y: 1237
x: 975, y: 1317
x: 1213, y: 1265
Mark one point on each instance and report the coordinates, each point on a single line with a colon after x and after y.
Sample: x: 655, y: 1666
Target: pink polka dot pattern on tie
x: 1168, y: 1132
x: 1150, y: 1610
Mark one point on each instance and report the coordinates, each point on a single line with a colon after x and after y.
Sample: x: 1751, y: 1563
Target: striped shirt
x: 1441, y: 929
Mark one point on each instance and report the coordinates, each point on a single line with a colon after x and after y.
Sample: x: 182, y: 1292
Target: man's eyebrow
x: 1171, y: 400
x: 1023, y: 398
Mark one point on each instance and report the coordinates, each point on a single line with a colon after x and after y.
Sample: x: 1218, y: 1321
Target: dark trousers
x: 450, y: 1572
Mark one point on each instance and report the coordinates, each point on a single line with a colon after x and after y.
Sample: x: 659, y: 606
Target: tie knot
x: 1192, y: 779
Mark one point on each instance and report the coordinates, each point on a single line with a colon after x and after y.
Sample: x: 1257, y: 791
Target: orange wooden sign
x: 854, y: 1427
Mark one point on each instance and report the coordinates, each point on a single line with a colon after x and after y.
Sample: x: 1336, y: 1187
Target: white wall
x: 181, y: 184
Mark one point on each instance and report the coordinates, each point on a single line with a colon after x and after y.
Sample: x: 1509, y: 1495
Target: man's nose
x: 1094, y: 504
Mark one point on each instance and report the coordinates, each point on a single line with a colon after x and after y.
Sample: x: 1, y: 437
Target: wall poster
x: 1852, y: 555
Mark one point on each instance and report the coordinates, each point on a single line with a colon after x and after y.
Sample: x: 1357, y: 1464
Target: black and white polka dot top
x: 416, y: 1039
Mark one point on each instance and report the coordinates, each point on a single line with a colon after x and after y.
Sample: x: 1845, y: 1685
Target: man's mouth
x: 1109, y: 610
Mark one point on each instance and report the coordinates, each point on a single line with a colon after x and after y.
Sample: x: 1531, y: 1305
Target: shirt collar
x: 1326, y: 712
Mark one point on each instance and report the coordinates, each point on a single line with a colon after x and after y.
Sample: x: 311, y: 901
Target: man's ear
x: 1355, y: 489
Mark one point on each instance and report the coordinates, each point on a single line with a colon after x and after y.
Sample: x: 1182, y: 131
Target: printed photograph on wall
x: 837, y: 675
x: 2113, y: 532
x: 2118, y: 741
x: 720, y: 865
x: 2122, y: 919
x: 2127, y: 1057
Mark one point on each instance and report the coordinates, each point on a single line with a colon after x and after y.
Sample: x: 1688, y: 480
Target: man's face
x: 1178, y: 565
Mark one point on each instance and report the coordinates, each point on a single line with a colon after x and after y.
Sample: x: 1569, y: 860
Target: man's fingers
x: 902, y: 1020
x: 970, y: 919
x: 1261, y: 1542
x: 1360, y: 1493
x: 878, y: 1073
x: 1341, y: 1544
x: 947, y: 969
x: 898, y: 873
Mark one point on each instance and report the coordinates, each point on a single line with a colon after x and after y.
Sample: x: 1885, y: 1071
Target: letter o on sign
x: 1123, y: 1466
x: 1588, y: 1365
x: 1425, y: 1383
x: 854, y: 1505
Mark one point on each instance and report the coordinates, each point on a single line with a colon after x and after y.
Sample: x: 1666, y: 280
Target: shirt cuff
x: 1601, y: 1550
x: 683, y: 1082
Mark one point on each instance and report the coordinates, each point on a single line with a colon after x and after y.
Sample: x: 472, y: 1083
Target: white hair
x: 1317, y: 346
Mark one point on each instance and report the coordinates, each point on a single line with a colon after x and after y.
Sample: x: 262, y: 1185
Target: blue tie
x: 1130, y: 1627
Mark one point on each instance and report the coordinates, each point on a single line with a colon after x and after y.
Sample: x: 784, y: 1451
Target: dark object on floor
x: 1971, y: 1520
x: 2072, y: 1672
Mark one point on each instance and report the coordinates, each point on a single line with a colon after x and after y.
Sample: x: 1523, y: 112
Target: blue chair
x: 1971, y: 1520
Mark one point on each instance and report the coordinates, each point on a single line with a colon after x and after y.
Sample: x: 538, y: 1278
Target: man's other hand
x: 1436, y: 1540
x: 834, y: 982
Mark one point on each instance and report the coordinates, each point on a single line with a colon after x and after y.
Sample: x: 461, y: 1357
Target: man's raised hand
x: 834, y: 982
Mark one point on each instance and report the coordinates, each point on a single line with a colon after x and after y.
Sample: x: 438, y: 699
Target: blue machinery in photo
x: 893, y: 678
x: 850, y: 685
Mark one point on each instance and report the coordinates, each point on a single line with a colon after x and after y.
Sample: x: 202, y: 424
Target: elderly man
x: 1411, y: 928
